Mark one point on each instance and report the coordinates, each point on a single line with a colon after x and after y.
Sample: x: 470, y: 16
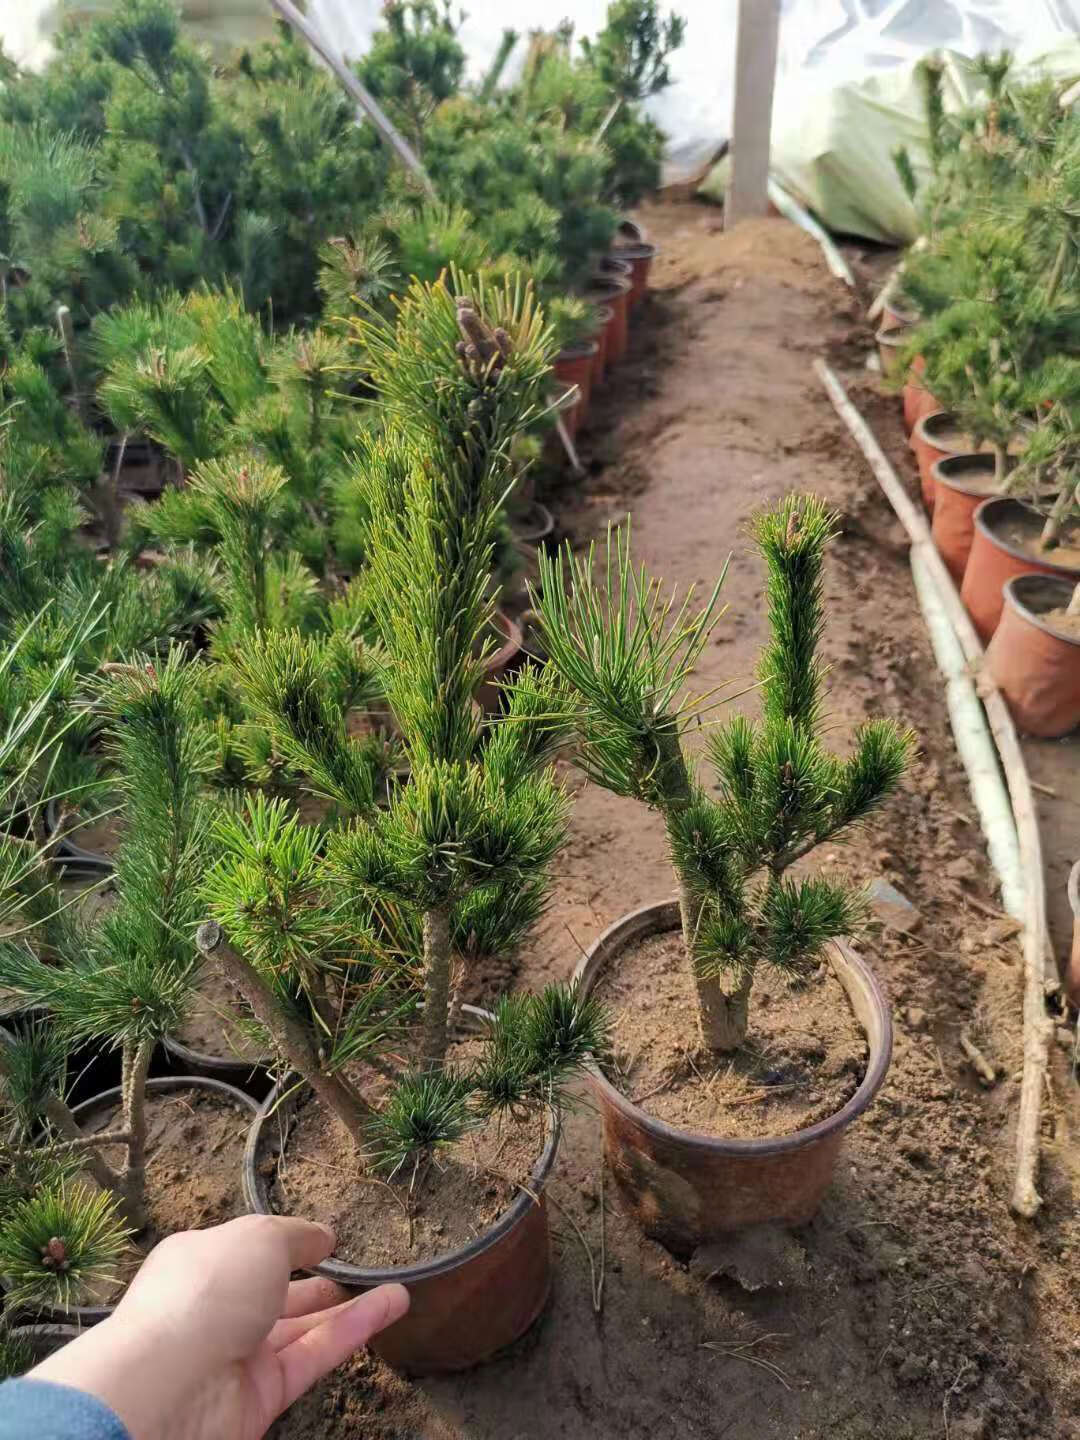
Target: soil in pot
x: 1005, y: 545
x: 802, y: 1060
x: 380, y: 1225
x: 937, y: 436
x: 195, y: 1149
x: 211, y: 1027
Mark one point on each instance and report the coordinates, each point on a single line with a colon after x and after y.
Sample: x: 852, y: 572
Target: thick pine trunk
x: 290, y: 1037
x: 723, y: 1011
x: 136, y: 1066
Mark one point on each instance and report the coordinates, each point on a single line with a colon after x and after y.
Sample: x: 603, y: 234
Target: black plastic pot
x: 85, y: 1315
x: 466, y: 1306
x: 70, y: 854
x: 45, y: 1340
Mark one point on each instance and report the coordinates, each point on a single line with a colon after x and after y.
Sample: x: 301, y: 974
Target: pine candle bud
x: 54, y: 1255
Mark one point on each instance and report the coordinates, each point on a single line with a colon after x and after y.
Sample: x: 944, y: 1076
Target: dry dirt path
x: 929, y: 1311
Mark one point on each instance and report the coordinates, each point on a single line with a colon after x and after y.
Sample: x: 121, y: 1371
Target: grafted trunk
x: 437, y: 969
x: 723, y: 1011
x: 136, y: 1065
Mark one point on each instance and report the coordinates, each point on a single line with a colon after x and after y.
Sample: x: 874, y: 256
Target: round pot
x: 83, y: 1315
x: 612, y: 267
x: 628, y: 232
x: 889, y: 345
x: 613, y: 294
x: 1072, y: 972
x: 466, y: 1306
x: 640, y: 258
x: 142, y: 466
x: 604, y: 316
x: 252, y: 1076
x: 961, y: 483
x: 499, y: 664
x: 575, y: 365
x: 533, y: 526
x: 993, y: 560
x: 917, y: 400
x: 45, y: 1340
x: 685, y: 1188
x: 69, y: 853
x: 895, y: 317
x: 1035, y: 665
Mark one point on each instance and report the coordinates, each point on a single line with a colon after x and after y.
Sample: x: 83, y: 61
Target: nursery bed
x: 920, y: 1306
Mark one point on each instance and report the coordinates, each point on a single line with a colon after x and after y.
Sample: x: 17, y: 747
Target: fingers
x: 315, y: 1293
x: 289, y: 1329
x: 343, y: 1331
x: 306, y: 1243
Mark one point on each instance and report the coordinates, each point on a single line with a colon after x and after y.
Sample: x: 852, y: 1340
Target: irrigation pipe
x: 793, y: 211
x: 940, y: 594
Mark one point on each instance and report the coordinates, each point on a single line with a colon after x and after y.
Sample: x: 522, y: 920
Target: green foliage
x: 413, y: 64
x: 423, y: 1114
x: 56, y: 1242
x: 630, y: 54
x: 626, y: 656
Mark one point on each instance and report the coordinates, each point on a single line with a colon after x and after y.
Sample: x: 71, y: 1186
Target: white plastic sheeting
x: 825, y: 46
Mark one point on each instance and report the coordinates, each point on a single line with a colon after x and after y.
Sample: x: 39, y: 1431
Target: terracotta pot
x: 895, y: 317
x: 1072, y: 972
x: 889, y: 344
x: 629, y: 232
x: 684, y: 1188
x: 993, y: 560
x: 1035, y: 665
x: 613, y: 294
x: 574, y: 366
x: 917, y: 400
x: 613, y: 267
x: 83, y: 1315
x: 961, y: 484
x: 466, y: 1306
x: 640, y: 258
x: 604, y: 317
x: 499, y: 665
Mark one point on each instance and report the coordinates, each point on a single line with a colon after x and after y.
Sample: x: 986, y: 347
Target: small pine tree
x: 627, y: 655
x: 457, y: 857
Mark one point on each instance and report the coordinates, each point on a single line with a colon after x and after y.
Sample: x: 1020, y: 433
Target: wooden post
x: 755, y: 74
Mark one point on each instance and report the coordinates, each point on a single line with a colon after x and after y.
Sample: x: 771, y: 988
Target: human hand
x: 212, y: 1341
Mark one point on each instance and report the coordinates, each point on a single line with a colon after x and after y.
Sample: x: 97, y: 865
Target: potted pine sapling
x: 373, y: 934
x: 1034, y: 655
x: 715, y: 1116
x: 124, y: 980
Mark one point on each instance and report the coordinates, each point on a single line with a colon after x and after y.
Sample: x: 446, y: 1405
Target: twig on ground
x: 952, y: 1390
x: 743, y: 1350
x: 978, y: 1061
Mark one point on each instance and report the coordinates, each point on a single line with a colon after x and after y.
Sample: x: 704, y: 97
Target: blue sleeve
x: 40, y: 1410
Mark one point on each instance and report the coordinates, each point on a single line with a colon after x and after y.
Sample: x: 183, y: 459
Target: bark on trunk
x: 136, y: 1065
x: 288, y: 1034
x: 436, y: 984
x: 723, y: 1012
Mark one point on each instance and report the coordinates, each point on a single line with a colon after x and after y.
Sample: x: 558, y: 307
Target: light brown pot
x: 889, y: 344
x: 1034, y: 665
x: 684, y: 1188
x: 993, y: 560
x: 500, y: 664
x: 465, y: 1306
x: 574, y: 366
x: 916, y: 399
x: 613, y: 294
x: 961, y: 484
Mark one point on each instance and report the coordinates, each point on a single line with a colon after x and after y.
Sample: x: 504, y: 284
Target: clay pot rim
x: 1013, y: 589
x: 578, y: 350
x: 907, y: 318
x: 232, y: 1065
x: 940, y: 471
x: 256, y: 1196
x: 534, y: 534
x: 664, y: 915
x: 635, y: 250
x: 510, y: 646
x: 629, y: 226
x: 614, y: 266
x: 159, y: 1085
x: 895, y: 337
x: 614, y: 287
x: 984, y: 520
x: 925, y: 425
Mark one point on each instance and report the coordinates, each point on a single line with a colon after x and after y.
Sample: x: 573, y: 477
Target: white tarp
x: 824, y: 45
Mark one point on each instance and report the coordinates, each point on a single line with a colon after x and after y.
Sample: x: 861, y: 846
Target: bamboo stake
x: 1037, y: 1026
x: 363, y: 97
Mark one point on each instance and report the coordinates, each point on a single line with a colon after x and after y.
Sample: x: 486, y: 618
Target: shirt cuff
x: 45, y: 1411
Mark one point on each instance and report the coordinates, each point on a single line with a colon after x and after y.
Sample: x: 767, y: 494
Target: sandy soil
x: 929, y: 1311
